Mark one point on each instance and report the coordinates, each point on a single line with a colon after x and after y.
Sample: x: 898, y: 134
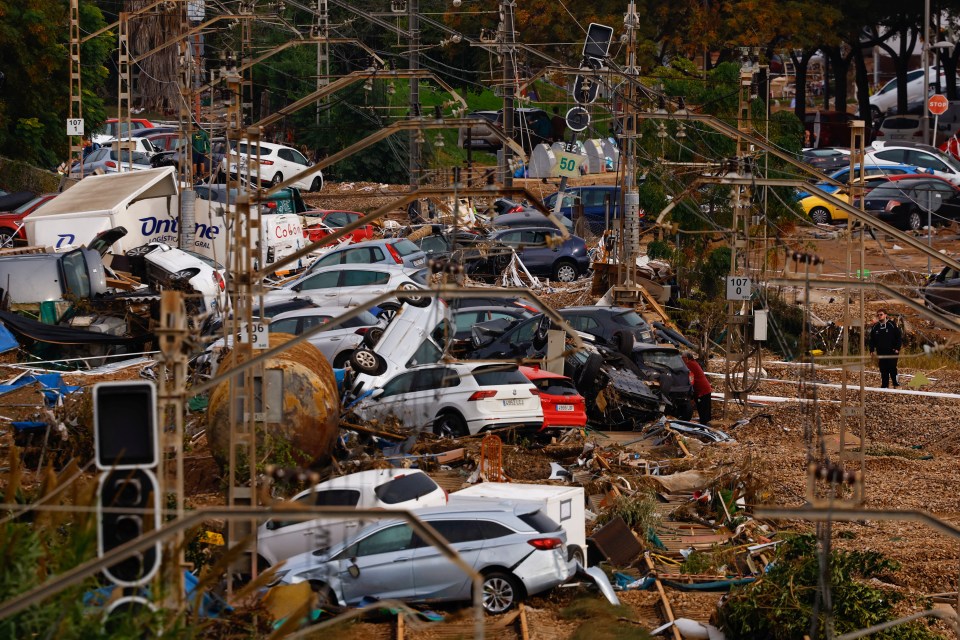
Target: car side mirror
x: 271, y: 525
x: 298, y: 287
x: 353, y: 570
x: 376, y: 393
x: 940, y: 278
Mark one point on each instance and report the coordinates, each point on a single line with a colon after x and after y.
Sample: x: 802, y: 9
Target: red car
x: 562, y: 404
x: 11, y: 222
x: 321, y: 223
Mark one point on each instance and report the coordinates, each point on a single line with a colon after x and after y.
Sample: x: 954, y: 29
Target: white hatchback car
x: 279, y: 539
x: 927, y: 158
x: 167, y: 266
x: 338, y: 342
x: 277, y: 163
x: 348, y: 285
x: 456, y: 399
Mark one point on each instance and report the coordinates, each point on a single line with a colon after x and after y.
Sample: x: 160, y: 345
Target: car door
x: 383, y: 564
x: 359, y: 285
x: 286, y: 163
x: 391, y: 402
x: 948, y: 202
x: 322, y: 286
x: 329, y: 342
x: 284, y: 538
x: 436, y: 577
x: 421, y: 401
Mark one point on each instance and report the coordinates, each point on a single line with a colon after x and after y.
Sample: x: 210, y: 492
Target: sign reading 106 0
x: 738, y: 288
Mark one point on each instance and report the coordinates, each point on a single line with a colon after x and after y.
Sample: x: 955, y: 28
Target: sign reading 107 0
x: 738, y: 288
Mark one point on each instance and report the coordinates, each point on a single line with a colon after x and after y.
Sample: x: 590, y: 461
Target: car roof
x: 646, y: 346
x: 354, y: 480
x: 535, y: 373
x: 893, y: 144
x: 918, y: 176
x: 376, y: 266
x: 310, y: 311
x: 589, y: 307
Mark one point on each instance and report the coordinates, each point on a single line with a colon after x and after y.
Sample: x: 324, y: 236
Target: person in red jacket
x: 701, y: 388
x: 952, y: 146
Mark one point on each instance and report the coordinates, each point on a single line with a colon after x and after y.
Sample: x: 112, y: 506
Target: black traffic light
x: 128, y: 507
x: 125, y: 425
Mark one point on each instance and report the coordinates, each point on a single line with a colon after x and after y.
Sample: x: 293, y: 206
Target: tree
x: 34, y: 99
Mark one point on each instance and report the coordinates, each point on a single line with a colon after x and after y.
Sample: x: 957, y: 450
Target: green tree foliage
x: 34, y: 99
x: 780, y: 605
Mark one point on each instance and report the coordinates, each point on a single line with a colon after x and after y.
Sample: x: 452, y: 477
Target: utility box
x: 565, y: 505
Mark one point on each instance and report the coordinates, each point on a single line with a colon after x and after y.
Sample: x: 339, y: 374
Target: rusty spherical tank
x: 304, y: 430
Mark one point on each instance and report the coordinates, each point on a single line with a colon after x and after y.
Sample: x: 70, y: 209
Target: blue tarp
x: 52, y: 384
x: 7, y: 341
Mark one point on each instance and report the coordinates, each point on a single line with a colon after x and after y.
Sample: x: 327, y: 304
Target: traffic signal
x: 128, y: 507
x: 128, y: 498
x: 125, y: 425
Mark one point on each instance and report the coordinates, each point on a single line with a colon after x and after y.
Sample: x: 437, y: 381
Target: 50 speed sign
x: 738, y: 288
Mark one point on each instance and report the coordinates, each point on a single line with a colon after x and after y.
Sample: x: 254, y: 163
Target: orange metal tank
x: 304, y: 430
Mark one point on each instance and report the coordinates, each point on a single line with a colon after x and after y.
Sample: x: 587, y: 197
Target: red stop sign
x: 937, y: 104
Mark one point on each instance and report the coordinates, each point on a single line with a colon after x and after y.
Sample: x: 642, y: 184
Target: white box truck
x: 564, y: 504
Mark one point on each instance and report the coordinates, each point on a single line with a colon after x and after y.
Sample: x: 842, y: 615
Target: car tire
x: 501, y: 592
x: 413, y: 299
x: 372, y: 337
x: 541, y: 332
x: 565, y: 271
x: 6, y: 239
x: 142, y: 250
x: 450, y: 424
x: 914, y: 222
x: 366, y: 361
x: 277, y: 179
x: 587, y: 380
x: 324, y: 594
x: 821, y: 215
x: 625, y: 341
x: 316, y: 185
x: 388, y: 310
x: 574, y: 552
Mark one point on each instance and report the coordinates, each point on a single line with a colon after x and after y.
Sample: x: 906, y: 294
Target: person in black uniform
x: 885, y: 339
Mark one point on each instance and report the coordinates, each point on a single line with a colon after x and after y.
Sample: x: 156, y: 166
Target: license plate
x: 564, y: 407
x: 418, y: 262
x: 513, y: 402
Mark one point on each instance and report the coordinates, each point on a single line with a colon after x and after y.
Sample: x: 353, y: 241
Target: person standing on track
x: 886, y: 339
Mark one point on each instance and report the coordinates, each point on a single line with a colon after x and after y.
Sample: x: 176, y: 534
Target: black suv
x: 609, y: 325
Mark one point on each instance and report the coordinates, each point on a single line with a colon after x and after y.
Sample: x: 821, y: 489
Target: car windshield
x: 405, y: 488
x: 25, y: 206
x: 630, y: 318
x: 405, y: 247
x: 540, y: 521
x: 669, y: 359
x: 556, y: 386
x: 950, y: 160
x: 204, y: 259
x: 496, y: 375
x: 426, y: 353
x: 894, y: 189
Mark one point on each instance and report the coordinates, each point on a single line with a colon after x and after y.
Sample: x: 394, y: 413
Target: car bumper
x: 477, y: 425
x: 543, y: 570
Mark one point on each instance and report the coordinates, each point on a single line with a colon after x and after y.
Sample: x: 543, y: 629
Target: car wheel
x: 372, y: 336
x: 500, y: 592
x: 415, y: 300
x: 316, y: 185
x: 366, y: 361
x: 540, y: 333
x: 576, y: 553
x: 136, y: 252
x: 324, y: 594
x: 6, y: 239
x: 587, y: 380
x: 914, y: 222
x: 821, y: 215
x: 565, y: 271
x: 388, y: 310
x: 625, y: 341
x: 450, y: 424
x: 277, y: 179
